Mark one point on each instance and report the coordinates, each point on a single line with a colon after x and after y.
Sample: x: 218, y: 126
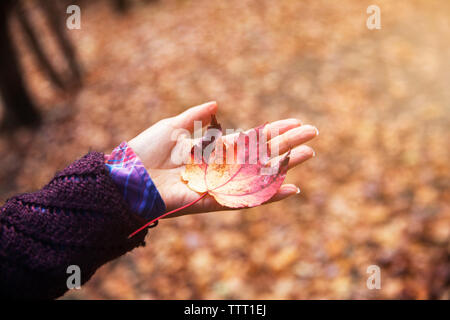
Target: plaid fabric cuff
x: 133, y: 180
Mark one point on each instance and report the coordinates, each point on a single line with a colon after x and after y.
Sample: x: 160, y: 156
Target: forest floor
x: 377, y: 193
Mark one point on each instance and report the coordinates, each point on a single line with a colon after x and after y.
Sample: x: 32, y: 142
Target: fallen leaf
x: 245, y: 179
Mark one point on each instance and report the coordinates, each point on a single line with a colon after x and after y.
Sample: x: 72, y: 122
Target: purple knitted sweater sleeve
x: 79, y: 218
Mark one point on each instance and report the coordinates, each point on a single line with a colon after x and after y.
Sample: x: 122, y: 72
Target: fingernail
x: 298, y: 190
x: 210, y: 105
x: 317, y: 131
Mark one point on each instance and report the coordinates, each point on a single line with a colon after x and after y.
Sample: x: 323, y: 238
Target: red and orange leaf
x: 245, y: 179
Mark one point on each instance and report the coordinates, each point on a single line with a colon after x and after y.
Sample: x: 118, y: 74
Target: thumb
x: 201, y: 113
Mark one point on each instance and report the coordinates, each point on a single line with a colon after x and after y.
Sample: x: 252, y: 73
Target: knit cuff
x: 134, y: 182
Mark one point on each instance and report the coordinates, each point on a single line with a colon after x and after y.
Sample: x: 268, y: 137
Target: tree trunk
x: 19, y: 108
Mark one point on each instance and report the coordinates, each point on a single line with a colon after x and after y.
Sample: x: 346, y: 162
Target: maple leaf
x: 245, y: 179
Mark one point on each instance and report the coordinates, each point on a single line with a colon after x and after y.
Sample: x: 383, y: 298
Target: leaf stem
x: 166, y: 214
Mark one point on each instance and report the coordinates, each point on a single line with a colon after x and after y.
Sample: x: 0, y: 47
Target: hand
x: 154, y: 147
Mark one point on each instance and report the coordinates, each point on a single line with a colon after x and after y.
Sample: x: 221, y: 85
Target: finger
x: 286, y: 190
x: 291, y: 139
x: 298, y: 155
x: 201, y: 113
x: 276, y: 128
x: 271, y: 130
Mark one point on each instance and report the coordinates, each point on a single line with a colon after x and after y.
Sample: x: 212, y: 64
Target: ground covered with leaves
x: 377, y: 192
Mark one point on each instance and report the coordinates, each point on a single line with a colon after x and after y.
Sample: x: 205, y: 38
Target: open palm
x: 156, y: 144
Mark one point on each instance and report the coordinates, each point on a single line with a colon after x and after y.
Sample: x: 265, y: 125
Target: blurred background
x: 377, y: 193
